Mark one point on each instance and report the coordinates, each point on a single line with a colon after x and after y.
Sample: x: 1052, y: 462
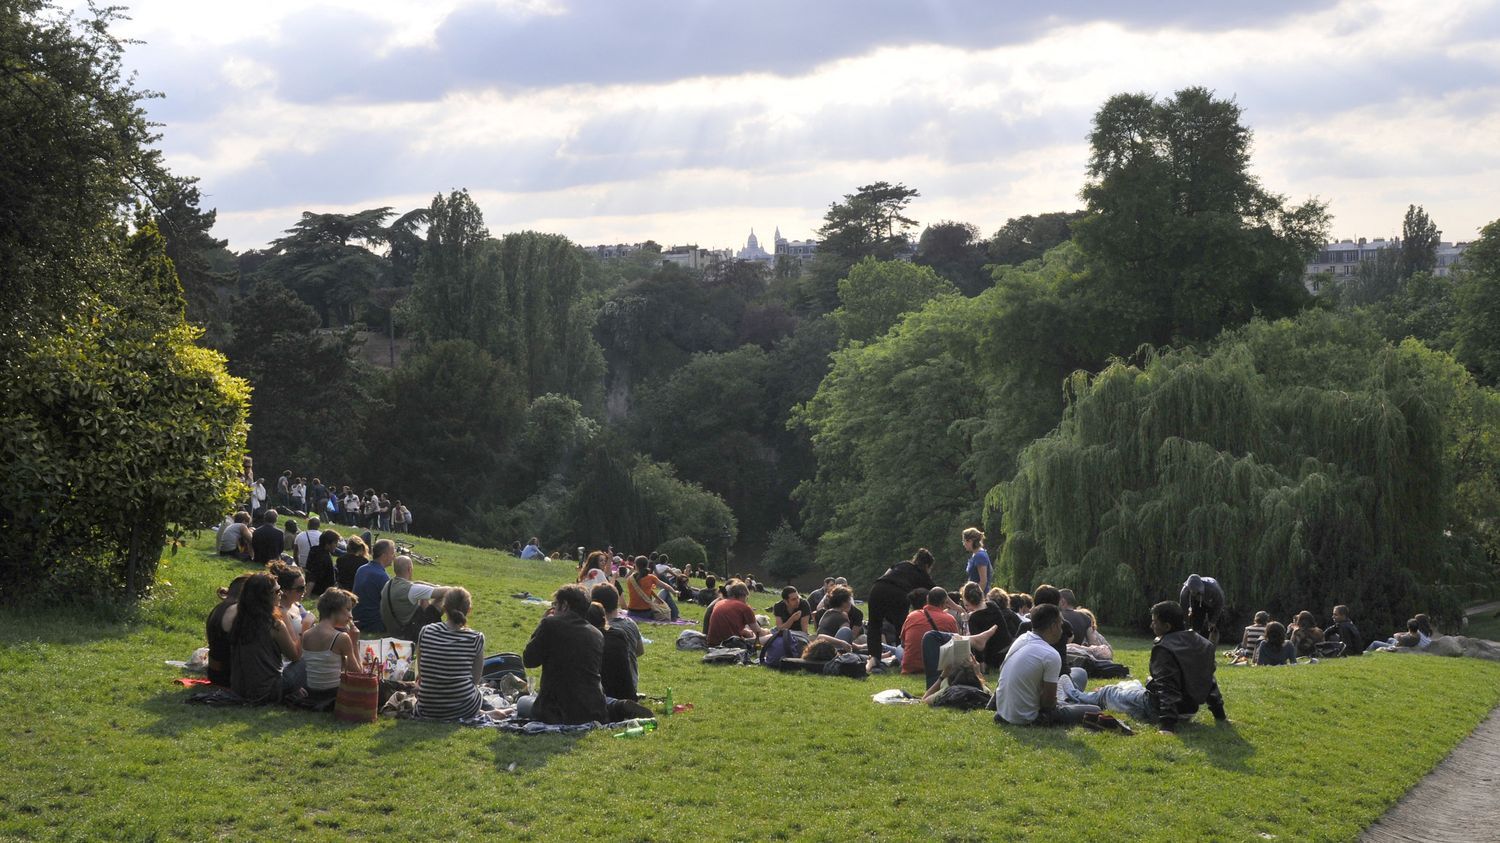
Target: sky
x: 694, y: 121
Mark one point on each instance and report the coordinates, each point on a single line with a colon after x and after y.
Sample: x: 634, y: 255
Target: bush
x: 684, y: 551
x: 787, y: 556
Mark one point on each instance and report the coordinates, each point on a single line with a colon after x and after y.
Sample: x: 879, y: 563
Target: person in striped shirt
x: 450, y: 662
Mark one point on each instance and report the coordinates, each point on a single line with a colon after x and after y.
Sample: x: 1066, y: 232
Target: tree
x: 870, y: 222
x: 327, y: 260
x: 1419, y: 242
x: 1477, y: 295
x: 787, y: 556
x: 449, y: 300
x: 113, y: 423
x: 310, y: 393
x: 204, y: 265
x: 1029, y: 237
x: 113, y: 428
x: 1182, y: 239
x: 955, y: 252
x: 1301, y: 461
x: 876, y: 294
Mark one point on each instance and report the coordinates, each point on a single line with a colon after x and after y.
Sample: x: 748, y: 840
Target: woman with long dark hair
x: 259, y: 639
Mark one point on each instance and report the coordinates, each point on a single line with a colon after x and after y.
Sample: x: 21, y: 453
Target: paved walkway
x: 1483, y: 608
x: 1458, y: 801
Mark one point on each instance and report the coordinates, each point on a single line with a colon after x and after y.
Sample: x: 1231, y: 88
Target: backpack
x: 851, y: 665
x: 785, y: 644
x: 962, y: 697
x: 501, y: 664
x: 727, y: 655
x: 692, y: 639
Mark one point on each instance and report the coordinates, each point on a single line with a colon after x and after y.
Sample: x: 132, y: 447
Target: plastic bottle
x: 633, y: 729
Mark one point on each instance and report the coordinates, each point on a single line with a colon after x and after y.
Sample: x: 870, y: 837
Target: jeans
x: 1066, y: 715
x: 1133, y: 702
x: 666, y: 594
x: 932, y: 647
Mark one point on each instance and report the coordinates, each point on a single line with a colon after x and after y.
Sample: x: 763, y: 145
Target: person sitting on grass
x: 306, y: 540
x: 1412, y: 638
x: 959, y: 679
x: 1252, y: 636
x: 991, y: 611
x: 289, y: 541
x: 219, y: 644
x: 533, y: 550
x: 267, y: 541
x: 356, y: 554
x: 933, y: 616
x: 1305, y: 635
x: 293, y: 584
x: 1182, y: 676
x: 1273, y: 648
x: 407, y: 606
x: 1344, y: 631
x: 450, y: 662
x: 732, y: 617
x: 710, y: 591
x: 595, y: 571
x: 569, y: 651
x: 259, y: 640
x: 1021, y: 603
x: 234, y: 537
x: 642, y: 590
x: 816, y: 598
x: 1027, y: 691
x: 623, y: 646
x: 331, y: 646
x: 321, y: 572
x: 1093, y: 644
x: 369, y: 584
x: 792, y: 612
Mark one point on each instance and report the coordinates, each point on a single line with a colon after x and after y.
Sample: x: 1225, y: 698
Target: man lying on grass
x: 1182, y: 676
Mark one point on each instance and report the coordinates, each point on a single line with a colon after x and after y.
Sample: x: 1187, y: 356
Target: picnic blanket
x: 528, y: 597
x: 645, y: 617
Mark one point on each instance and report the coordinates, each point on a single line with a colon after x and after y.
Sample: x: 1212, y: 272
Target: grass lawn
x: 100, y: 746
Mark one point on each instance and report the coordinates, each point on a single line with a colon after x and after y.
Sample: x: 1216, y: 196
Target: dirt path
x: 1458, y: 801
x: 1483, y: 608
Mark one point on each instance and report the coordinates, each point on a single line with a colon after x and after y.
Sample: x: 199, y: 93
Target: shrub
x: 684, y: 551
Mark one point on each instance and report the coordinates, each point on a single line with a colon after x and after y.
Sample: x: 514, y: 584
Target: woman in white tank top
x: 328, y: 648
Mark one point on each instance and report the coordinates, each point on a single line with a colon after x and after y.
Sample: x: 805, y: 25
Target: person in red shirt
x: 933, y: 616
x: 732, y: 617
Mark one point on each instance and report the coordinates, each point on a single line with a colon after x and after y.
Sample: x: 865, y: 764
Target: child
x: 1274, y: 648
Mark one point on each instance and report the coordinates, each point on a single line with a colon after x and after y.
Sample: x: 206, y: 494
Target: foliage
x: 1419, y: 242
x: 955, y: 252
x: 869, y: 223
x: 787, y: 555
x: 111, y: 428
x: 1423, y: 307
x: 78, y: 150
x: 310, y: 390
x: 138, y: 764
x: 1476, y: 326
x: 684, y: 551
x: 1182, y: 239
x: 327, y: 259
x: 1304, y: 463
x: 201, y: 260
x: 1028, y: 237
x: 446, y: 418
x: 876, y: 294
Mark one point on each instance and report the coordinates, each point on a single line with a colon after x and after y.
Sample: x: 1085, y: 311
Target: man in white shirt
x: 307, y: 540
x: 1027, y: 691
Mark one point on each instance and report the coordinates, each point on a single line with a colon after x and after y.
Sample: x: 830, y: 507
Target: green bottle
x: 669, y: 702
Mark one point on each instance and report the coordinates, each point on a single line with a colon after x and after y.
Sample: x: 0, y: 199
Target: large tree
x: 1182, y: 238
x: 1477, y: 296
x: 876, y: 294
x: 869, y: 223
x: 1419, y: 242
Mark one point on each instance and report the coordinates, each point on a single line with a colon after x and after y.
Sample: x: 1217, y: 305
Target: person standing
x: 284, y: 489
x: 1203, y: 601
x: 979, y: 569
x: 889, y: 599
x: 398, y: 517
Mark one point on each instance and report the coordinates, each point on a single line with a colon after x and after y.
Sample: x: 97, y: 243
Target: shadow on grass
x: 1221, y: 743
x: 1055, y: 738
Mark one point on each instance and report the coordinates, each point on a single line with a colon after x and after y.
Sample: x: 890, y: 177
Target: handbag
x: 358, y: 699
x: 659, y: 610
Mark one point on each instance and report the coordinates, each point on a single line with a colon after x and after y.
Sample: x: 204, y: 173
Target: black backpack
x: 851, y: 665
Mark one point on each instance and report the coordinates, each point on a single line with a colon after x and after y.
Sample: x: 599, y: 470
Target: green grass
x: 100, y: 746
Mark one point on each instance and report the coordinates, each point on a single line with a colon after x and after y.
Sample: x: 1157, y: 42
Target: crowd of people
x: 334, y: 503
x: 1041, y: 649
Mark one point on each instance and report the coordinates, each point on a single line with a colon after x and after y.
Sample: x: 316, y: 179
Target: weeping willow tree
x: 1303, y: 463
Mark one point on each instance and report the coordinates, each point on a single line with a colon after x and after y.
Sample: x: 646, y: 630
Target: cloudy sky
x: 694, y: 120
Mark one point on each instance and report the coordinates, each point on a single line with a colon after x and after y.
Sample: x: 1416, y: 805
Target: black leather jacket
x: 1182, y: 678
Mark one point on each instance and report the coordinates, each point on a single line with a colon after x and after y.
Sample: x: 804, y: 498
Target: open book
x: 393, y: 654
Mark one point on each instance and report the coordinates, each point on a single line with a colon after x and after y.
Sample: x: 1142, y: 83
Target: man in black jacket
x: 267, y: 542
x: 1182, y: 676
x: 570, y: 652
x: 1344, y: 631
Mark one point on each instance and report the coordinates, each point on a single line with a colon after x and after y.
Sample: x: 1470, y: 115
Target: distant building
x: 753, y: 251
x: 1344, y: 257
x: 610, y: 252
x: 802, y: 250
x: 692, y: 257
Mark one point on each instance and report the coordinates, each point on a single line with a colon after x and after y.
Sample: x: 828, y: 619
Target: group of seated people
x: 1268, y: 642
